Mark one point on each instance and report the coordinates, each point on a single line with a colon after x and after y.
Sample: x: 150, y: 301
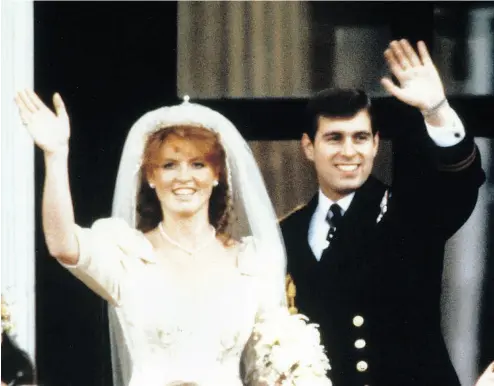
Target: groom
x: 366, y: 258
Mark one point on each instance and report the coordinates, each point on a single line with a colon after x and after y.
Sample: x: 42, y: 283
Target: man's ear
x: 376, y: 143
x: 308, y: 147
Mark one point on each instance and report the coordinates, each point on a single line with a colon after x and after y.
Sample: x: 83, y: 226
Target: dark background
x: 112, y: 62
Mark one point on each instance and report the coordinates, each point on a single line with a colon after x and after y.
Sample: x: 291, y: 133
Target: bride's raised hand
x: 49, y: 130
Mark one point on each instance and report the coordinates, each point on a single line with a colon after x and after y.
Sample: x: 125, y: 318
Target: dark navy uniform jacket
x: 376, y: 290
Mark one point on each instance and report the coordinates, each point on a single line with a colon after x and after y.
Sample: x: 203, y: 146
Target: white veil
x: 253, y: 211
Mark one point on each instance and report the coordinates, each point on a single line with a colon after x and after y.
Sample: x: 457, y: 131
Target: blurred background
x: 256, y: 62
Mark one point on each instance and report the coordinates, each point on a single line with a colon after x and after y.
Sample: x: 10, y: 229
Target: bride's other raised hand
x: 49, y: 130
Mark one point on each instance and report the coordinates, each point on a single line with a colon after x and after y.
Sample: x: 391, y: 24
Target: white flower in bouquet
x: 285, y: 350
x: 7, y: 324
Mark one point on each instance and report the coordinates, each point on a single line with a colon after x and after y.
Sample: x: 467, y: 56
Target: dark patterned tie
x: 333, y: 218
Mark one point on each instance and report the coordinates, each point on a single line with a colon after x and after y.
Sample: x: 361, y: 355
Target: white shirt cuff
x: 450, y: 134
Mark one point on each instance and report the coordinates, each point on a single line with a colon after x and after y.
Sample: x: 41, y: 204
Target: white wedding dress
x: 175, y: 331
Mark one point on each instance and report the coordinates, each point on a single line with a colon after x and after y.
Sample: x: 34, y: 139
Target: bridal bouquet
x: 285, y: 350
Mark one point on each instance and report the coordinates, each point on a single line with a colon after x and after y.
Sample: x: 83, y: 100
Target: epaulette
x: 291, y: 293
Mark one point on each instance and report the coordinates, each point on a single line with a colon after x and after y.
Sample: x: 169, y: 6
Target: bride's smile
x: 184, y: 178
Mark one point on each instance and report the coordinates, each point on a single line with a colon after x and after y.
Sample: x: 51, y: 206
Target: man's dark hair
x: 335, y: 103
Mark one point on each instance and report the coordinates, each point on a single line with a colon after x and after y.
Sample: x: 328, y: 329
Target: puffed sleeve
x: 108, y: 252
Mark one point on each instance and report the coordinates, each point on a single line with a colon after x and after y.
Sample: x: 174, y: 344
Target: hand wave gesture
x: 50, y: 131
x: 420, y: 83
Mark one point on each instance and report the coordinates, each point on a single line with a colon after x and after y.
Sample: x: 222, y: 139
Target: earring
x: 151, y: 185
x: 215, y: 183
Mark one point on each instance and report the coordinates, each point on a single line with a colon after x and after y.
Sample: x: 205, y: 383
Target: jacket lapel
x: 300, y: 256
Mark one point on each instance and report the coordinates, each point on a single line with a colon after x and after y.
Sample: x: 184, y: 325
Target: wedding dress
x: 176, y: 328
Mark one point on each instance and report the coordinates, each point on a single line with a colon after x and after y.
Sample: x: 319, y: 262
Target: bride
x: 191, y: 260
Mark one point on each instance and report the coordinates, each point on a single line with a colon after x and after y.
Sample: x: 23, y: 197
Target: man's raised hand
x: 420, y: 84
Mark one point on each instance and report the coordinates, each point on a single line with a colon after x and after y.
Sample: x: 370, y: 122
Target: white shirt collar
x: 324, y: 203
x: 319, y: 227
